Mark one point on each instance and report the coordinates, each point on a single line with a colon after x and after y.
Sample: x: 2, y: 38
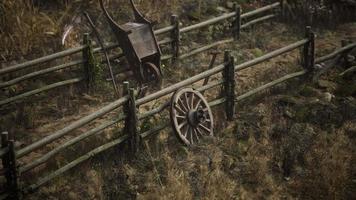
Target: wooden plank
x: 271, y: 84
x: 74, y: 163
x: 41, y: 60
x: 44, y: 158
x: 205, y: 48
x: 258, y: 20
x: 39, y: 73
x: 37, y: 91
x: 271, y: 55
x: 335, y: 53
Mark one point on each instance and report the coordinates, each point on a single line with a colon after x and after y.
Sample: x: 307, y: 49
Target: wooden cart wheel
x: 191, y: 116
x: 153, y: 74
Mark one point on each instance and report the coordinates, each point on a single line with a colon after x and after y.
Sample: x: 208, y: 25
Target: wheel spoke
x: 180, y: 126
x: 204, y: 128
x: 192, y: 101
x: 183, y: 105
x: 187, y: 100
x: 197, y: 104
x: 180, y: 116
x: 191, y: 135
x: 179, y: 109
x: 199, y: 131
x: 196, y: 134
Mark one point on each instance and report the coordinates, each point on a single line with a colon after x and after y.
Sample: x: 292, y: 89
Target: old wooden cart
x: 139, y: 45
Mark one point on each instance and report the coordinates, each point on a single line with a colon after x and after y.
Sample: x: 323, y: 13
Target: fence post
x: 282, y: 14
x: 309, y: 50
x: 10, y: 167
x: 229, y: 86
x: 175, y: 36
x: 131, y: 119
x: 237, y: 22
x: 89, y: 64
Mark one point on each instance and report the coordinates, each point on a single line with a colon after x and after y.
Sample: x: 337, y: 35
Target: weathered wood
x: 283, y: 10
x: 89, y: 66
x: 217, y: 102
x: 261, y: 10
x: 348, y: 71
x: 154, y: 111
x: 237, y: 22
x: 150, y: 97
x: 271, y: 84
x: 11, y: 172
x: 113, y: 46
x: 39, y: 73
x: 175, y: 35
x: 4, y: 140
x: 165, y: 41
x: 74, y: 163
x: 211, y: 65
x: 227, y: 16
x: 131, y: 122
x: 271, y: 55
x: 79, y: 123
x: 163, y: 30
x: 44, y: 158
x: 154, y: 130
x: 41, y: 60
x: 210, y: 86
x: 335, y: 53
x: 309, y: 50
x: 229, y: 86
x: 166, y: 57
x: 258, y: 20
x: 40, y: 90
x: 97, y: 34
x: 205, y: 48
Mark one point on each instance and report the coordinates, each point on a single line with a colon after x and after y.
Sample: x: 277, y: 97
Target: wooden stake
x: 237, y: 22
x: 9, y: 164
x: 89, y: 64
x: 309, y: 50
x: 131, y: 119
x: 229, y: 86
x: 175, y: 35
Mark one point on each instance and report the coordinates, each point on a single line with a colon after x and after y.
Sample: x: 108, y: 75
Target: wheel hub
x: 195, y: 117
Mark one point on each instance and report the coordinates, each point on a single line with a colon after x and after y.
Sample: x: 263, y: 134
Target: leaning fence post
x: 10, y: 167
x: 131, y: 119
x: 229, y: 86
x: 309, y: 50
x: 237, y: 22
x: 89, y: 63
x: 175, y: 36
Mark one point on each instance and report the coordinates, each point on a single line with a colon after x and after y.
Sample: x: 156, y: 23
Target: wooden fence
x: 131, y: 116
x: 88, y: 52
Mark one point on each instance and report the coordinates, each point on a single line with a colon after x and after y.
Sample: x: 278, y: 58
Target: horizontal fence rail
x: 40, y: 90
x: 41, y: 60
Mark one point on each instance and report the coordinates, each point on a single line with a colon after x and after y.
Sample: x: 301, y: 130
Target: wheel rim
x: 153, y: 73
x: 191, y: 116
